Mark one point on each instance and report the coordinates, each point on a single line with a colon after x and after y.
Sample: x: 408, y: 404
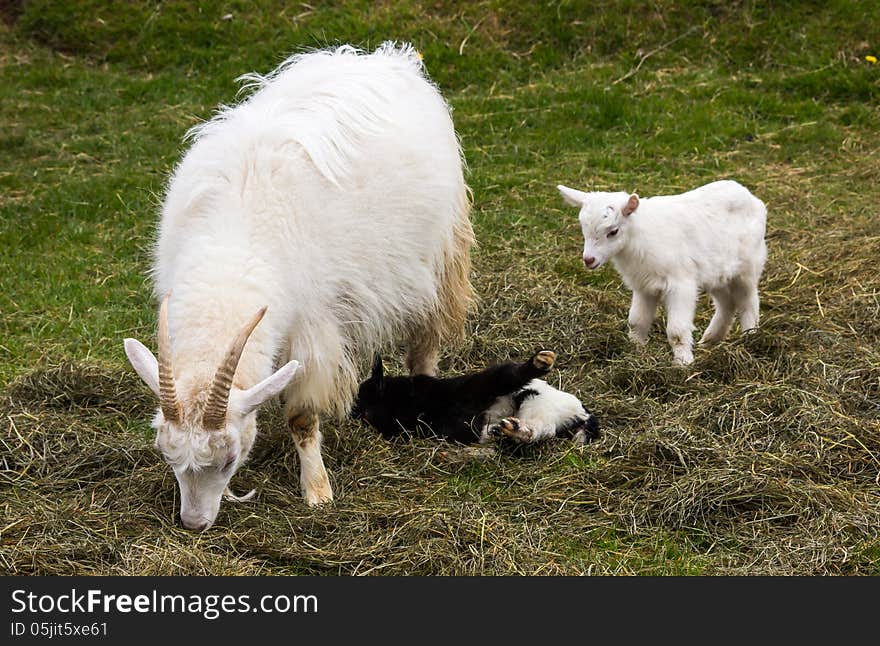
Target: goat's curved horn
x: 218, y: 397
x: 167, y: 392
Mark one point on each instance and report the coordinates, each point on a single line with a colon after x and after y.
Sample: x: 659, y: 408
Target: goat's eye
x: 229, y: 462
x: 613, y: 233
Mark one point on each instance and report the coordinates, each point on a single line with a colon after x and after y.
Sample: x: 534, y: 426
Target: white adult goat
x: 673, y: 246
x: 332, y: 203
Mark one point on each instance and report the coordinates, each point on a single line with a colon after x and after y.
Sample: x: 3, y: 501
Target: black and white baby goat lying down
x: 504, y: 400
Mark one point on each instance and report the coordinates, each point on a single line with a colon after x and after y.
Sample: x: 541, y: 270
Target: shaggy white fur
x: 334, y: 194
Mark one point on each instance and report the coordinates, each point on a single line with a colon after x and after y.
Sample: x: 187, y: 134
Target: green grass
x: 656, y: 97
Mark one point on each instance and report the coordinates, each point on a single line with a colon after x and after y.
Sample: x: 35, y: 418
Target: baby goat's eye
x: 229, y: 462
x: 613, y: 233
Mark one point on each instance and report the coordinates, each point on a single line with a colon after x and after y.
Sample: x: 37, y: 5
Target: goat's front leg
x: 641, y: 315
x: 681, y: 303
x: 514, y: 429
x: 312, y: 475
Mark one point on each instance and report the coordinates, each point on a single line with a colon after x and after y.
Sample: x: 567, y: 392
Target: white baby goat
x: 332, y: 203
x: 673, y: 246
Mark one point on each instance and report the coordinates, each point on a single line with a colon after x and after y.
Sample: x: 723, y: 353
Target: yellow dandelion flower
x: 871, y: 59
x: 422, y: 56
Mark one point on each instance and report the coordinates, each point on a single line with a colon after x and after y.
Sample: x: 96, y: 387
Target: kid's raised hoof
x: 511, y: 427
x: 544, y: 360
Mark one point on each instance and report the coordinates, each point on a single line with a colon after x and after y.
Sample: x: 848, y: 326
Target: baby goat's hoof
x: 637, y: 337
x: 509, y: 425
x: 512, y: 428
x: 681, y: 360
x: 544, y: 360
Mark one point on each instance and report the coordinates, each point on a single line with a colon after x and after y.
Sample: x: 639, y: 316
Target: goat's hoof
x: 684, y: 360
x: 544, y: 360
x: 512, y: 428
x: 639, y: 339
x: 318, y: 494
x: 316, y: 500
x: 508, y: 426
x: 712, y: 337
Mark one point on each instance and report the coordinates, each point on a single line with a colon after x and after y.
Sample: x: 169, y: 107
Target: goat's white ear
x: 631, y: 204
x: 572, y: 196
x: 247, y: 401
x: 144, y: 363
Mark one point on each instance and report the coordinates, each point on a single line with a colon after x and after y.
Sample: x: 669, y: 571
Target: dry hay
x: 763, y: 458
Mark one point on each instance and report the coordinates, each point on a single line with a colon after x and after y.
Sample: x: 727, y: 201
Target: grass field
x: 761, y: 458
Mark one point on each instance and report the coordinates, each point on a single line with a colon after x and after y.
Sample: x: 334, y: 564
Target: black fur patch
x: 523, y: 395
x: 590, y: 426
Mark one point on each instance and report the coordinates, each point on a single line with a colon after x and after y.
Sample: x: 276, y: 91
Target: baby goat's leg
x: 511, y: 427
x: 312, y: 475
x: 681, y: 302
x: 641, y: 315
x: 725, y: 310
x: 748, y: 304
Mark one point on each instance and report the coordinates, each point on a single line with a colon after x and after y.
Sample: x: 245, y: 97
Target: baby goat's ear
x: 572, y: 196
x: 631, y: 204
x: 378, y: 369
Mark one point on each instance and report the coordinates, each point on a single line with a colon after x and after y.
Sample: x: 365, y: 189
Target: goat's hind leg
x: 514, y: 429
x: 507, y: 378
x: 725, y: 311
x: 314, y: 481
x: 477, y: 391
x: 455, y: 296
x: 745, y: 293
x: 543, y: 361
x: 423, y: 351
